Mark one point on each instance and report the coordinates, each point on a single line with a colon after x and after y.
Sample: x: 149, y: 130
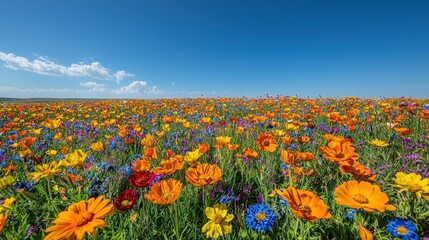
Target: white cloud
x: 134, y: 87
x: 94, y: 87
x: 43, y: 65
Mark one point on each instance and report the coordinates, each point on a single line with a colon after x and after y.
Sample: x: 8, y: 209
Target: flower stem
x: 174, y: 218
x: 50, y: 196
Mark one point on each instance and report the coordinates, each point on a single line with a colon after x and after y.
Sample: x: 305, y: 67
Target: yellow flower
x: 6, y: 182
x: 192, y: 156
x: 51, y: 152
x: 379, y: 143
x: 7, y: 204
x: 52, y: 124
x: 46, y: 170
x: 412, y: 182
x: 98, y: 146
x: 219, y: 221
x: 77, y: 158
x: 36, y: 131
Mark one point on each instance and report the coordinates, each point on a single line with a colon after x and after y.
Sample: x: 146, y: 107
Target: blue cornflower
x: 283, y: 201
x: 226, y: 199
x: 350, y: 213
x: 402, y: 228
x: 260, y: 217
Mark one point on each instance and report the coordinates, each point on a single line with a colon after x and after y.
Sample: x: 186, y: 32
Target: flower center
x: 85, y: 218
x: 218, y: 219
x: 260, y: 216
x: 402, y: 230
x: 339, y: 155
x: 305, y: 209
x: 267, y: 143
x: 125, y: 203
x: 360, y: 199
x: 414, y: 187
x: 167, y: 195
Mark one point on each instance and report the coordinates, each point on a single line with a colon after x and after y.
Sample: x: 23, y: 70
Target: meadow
x: 229, y: 168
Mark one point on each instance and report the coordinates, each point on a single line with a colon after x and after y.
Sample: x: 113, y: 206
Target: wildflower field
x: 229, y: 168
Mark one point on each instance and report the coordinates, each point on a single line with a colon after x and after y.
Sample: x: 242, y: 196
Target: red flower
x: 141, y: 179
x: 126, y: 200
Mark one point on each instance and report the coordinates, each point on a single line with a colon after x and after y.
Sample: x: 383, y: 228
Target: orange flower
x: 287, y: 140
x: 249, y: 153
x: 148, y: 141
x: 329, y: 137
x: 141, y: 165
x: 341, y: 152
x: 266, y: 142
x: 402, y: 131
x: 290, y: 157
x: 27, y: 142
x: 307, y: 156
x: 170, y: 166
x: 302, y: 139
x: 80, y: 218
x: 364, y: 233
x: 362, y: 195
x: 203, y: 147
x: 222, y: 141
x: 98, y: 146
x: 164, y: 192
x: 232, y: 147
x: 203, y: 174
x: 3, y: 219
x: 150, y: 153
x: 304, y: 204
x: 358, y: 171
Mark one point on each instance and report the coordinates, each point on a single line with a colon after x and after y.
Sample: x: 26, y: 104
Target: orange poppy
x: 164, y: 192
x: 170, y: 166
x: 302, y: 139
x: 290, y: 157
x: 358, y: 171
x: 203, y: 148
x: 341, y: 152
x: 362, y: 195
x: 150, y: 153
x: 148, y: 141
x: 222, y: 141
x: 141, y: 165
x: 307, y: 156
x: 232, y: 147
x: 203, y: 174
x: 249, y: 153
x: 402, y: 131
x: 364, y: 233
x: 266, y: 142
x: 287, y: 140
x: 304, y: 204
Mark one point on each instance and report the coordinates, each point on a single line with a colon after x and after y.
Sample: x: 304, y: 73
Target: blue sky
x: 158, y: 49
